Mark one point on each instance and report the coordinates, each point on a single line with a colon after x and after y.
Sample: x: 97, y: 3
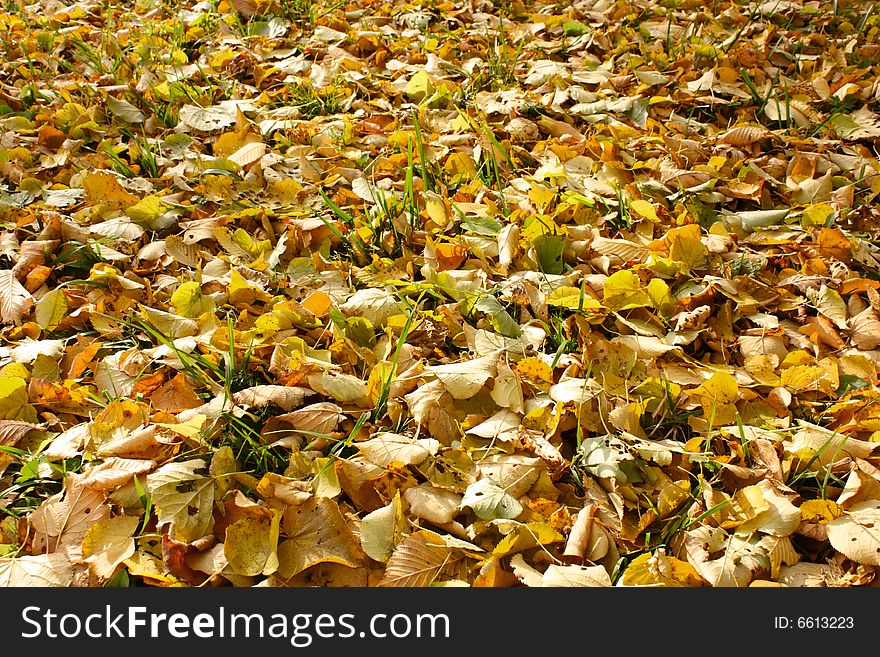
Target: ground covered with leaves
x: 302, y: 292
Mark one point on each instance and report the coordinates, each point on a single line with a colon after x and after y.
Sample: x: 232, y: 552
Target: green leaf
x: 491, y: 502
x: 500, y: 319
x: 575, y: 28
x: 548, y: 251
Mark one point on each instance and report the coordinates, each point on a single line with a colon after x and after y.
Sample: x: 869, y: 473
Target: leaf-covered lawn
x: 370, y: 293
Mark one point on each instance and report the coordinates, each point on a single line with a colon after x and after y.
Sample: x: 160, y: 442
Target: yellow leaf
x: 538, y: 226
x: 419, y: 86
x: 143, y: 564
x: 183, y: 499
x: 145, y: 211
x: 661, y: 297
x: 535, y: 369
x: 718, y: 396
x: 717, y: 162
x: 802, y: 377
x: 229, y: 142
x: 223, y: 464
x: 51, y: 309
x: 623, y: 290
x: 721, y: 387
x: 816, y: 215
x: 380, y: 377
x: 15, y: 369
x: 189, y: 301
x: 541, y: 197
x: 660, y: 570
x: 246, y: 242
x: 326, y: 481
x: 685, y: 246
x: 829, y: 303
x: 108, y: 543
x: 285, y: 190
x: 105, y: 189
x: 645, y: 209
x: 526, y: 536
x: 574, y: 298
x: 14, y: 400
x: 317, y: 533
x: 460, y: 166
x: 820, y: 511
x: 241, y: 294
x: 251, y: 545
x: 189, y: 429
x: 381, y: 529
x: 437, y: 210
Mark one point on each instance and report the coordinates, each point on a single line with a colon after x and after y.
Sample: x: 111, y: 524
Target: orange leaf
x: 175, y: 396
x: 317, y: 303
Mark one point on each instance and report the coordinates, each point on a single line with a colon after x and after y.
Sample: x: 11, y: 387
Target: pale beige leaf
x: 502, y: 422
x: 829, y: 303
x: 381, y: 529
x: 68, y: 443
x: 418, y: 561
x: 11, y: 431
x: 15, y: 300
x: 515, y: 473
x: 61, y: 522
x: 865, y: 328
x: 526, y: 573
x: 743, y: 135
x: 36, y: 571
x: 207, y: 119
x: 431, y: 406
x: 856, y: 534
x: 827, y: 445
x: 376, y: 305
x: 623, y: 249
x: 114, y: 472
x: 342, y: 388
x: 284, y: 397
x: 579, y: 576
x: 387, y: 448
x: 489, y: 501
x: 435, y: 505
x: 248, y: 154
x: 780, y: 518
x: 320, y: 418
x: 464, y: 379
x: 737, y: 562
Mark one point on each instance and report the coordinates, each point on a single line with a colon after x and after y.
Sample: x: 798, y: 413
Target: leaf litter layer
x: 320, y: 293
